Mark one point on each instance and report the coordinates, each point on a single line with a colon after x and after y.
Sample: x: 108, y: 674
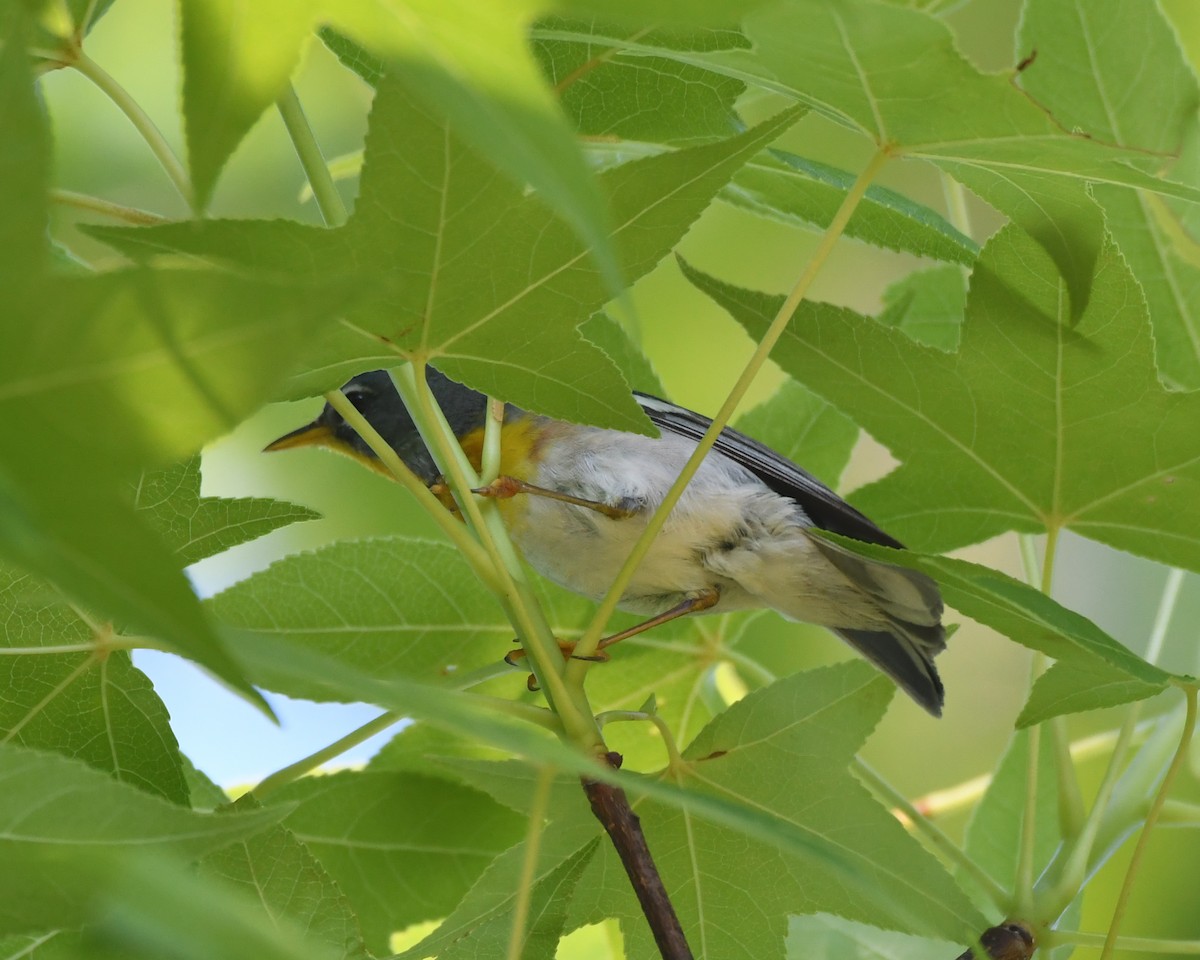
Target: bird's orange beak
x: 315, y: 434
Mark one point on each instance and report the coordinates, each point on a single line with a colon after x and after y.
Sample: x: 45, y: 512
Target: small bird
x: 576, y: 498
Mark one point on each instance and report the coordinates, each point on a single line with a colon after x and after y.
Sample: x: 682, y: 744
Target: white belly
x: 728, y: 531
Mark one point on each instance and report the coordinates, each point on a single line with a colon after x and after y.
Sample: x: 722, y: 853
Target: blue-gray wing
x: 824, y: 507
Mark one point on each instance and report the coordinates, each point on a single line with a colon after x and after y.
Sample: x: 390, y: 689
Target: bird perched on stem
x: 575, y: 498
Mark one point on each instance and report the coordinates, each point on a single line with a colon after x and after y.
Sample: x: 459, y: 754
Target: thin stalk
x: 932, y: 834
x: 140, y: 119
x: 577, y: 668
x: 1027, y: 849
x: 1135, y: 862
x: 1075, y: 854
x: 1071, y: 809
x: 674, y: 757
x: 1131, y: 944
x: 329, y: 201
x: 518, y: 600
x: 458, y: 534
x: 294, y: 771
x: 83, y: 201
x: 489, y: 463
x: 533, y: 843
x: 1162, y: 618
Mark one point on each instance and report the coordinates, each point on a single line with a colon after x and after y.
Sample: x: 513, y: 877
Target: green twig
x: 533, y: 843
x: 675, y: 761
x: 329, y: 201
x: 577, y: 668
x: 83, y: 201
x: 1177, y: 762
x: 140, y: 119
x: 490, y: 458
x: 1131, y: 944
x: 294, y: 771
x: 935, y: 839
x: 518, y: 600
x: 1073, y: 859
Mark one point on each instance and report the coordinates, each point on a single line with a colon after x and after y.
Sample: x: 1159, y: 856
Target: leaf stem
x: 1075, y: 854
x: 675, y: 761
x: 933, y: 835
x: 1026, y: 852
x: 83, y: 201
x: 294, y: 771
x: 518, y: 600
x: 1139, y: 944
x: 1181, y: 754
x: 533, y: 843
x: 577, y: 668
x: 140, y: 119
x: 329, y: 201
x: 490, y: 458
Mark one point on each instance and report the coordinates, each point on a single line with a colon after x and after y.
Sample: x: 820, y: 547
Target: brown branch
x: 1012, y: 940
x: 612, y: 809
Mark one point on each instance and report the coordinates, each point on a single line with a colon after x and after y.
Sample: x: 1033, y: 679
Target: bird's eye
x: 357, y: 395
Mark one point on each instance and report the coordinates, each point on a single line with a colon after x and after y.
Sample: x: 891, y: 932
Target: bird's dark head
x: 375, y: 397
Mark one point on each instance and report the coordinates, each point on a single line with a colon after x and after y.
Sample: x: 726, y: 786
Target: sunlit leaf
x: 783, y: 749
x: 1090, y: 71
x: 291, y: 885
x: 496, y: 308
x: 851, y: 60
x: 402, y: 847
x: 198, y: 527
x: 85, y: 702
x: 928, y: 305
x: 65, y: 821
x: 1035, y: 422
x: 605, y: 93
x: 787, y: 187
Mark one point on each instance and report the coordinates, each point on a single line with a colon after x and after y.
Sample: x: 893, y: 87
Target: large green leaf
x: 66, y: 827
x: 155, y: 908
x: 468, y: 63
x: 394, y: 606
x: 606, y: 93
x: 787, y: 187
x: 1090, y: 71
x: 291, y: 886
x: 402, y: 847
x: 928, y: 305
x: 783, y: 750
x: 198, y: 527
x: 63, y: 691
x: 497, y: 307
x: 93, y: 546
x: 855, y: 872
x: 1034, y: 423
x: 852, y: 60
x: 549, y: 903
x: 237, y: 59
x: 114, y: 372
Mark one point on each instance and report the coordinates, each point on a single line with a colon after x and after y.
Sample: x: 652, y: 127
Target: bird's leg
x: 693, y: 603
x: 504, y: 487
